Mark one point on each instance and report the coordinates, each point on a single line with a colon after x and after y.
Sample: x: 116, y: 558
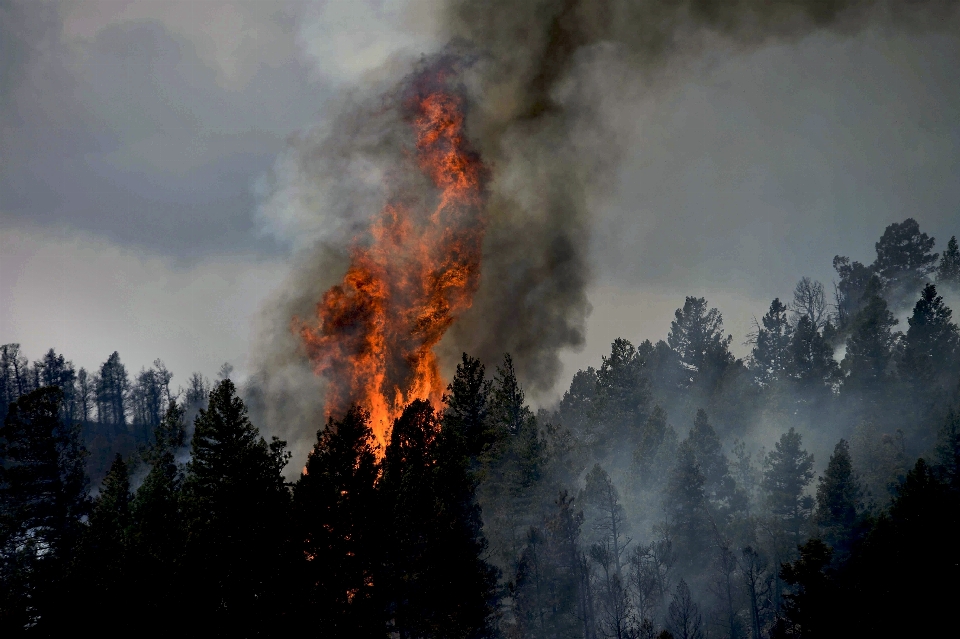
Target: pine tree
x: 578, y: 405
x: 903, y: 257
x: 623, y: 391
x: 468, y: 404
x: 948, y: 450
x: 157, y: 534
x: 607, y: 514
x: 811, y: 364
x: 789, y: 471
x: 850, y: 290
x: 651, y: 440
x: 686, y: 506
x: 771, y: 349
x: 42, y: 501
x: 684, y: 618
x: 948, y: 273
x: 113, y: 389
x: 103, y: 571
x: 436, y: 549
x: 564, y: 528
x: 839, y: 495
x: 870, y: 347
x: 696, y: 336
x: 808, y: 608
x: 931, y: 342
x: 703, y: 440
x: 237, y: 519
x: 336, y: 511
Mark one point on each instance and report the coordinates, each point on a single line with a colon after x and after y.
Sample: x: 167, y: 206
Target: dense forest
x: 809, y: 490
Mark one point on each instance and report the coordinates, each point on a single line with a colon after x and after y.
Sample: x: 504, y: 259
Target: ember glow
x: 410, y: 277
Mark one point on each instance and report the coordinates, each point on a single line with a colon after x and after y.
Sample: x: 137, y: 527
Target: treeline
x: 116, y: 414
x: 671, y: 493
x: 223, y: 545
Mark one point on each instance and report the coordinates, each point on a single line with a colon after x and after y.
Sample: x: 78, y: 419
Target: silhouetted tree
x: 436, y: 549
x: 336, y: 511
x: 789, y: 471
x: 103, y: 571
x: 808, y: 607
x: 157, y: 534
x: 112, y: 389
x: 931, y: 344
x: 849, y: 291
x: 904, y: 259
x: 468, y: 404
x: 839, y: 496
x: 871, y: 343
x: 42, y: 502
x: 718, y: 486
x: 948, y: 273
x: 686, y: 505
x: 811, y: 364
x: 771, y: 348
x: 623, y: 390
x: 696, y: 336
x: 237, y: 520
x: 684, y: 618
x: 608, y: 517
x: 809, y: 300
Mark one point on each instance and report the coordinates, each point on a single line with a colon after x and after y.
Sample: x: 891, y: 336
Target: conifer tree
x: 850, y: 290
x: 903, y: 257
x: 237, y: 519
x: 808, y: 608
x: 810, y: 364
x: 623, y: 391
x: 838, y: 498
x: 703, y: 439
x: 686, y: 505
x: 336, y: 512
x: 468, y: 404
x: 871, y: 342
x: 113, y: 390
x: 684, y: 618
x: 609, y: 519
x: 696, y: 336
x: 948, y: 273
x: 42, y: 500
x: 931, y: 342
x: 771, y: 348
x: 103, y: 571
x: 157, y: 534
x: 436, y: 549
x: 789, y: 471
x: 651, y: 439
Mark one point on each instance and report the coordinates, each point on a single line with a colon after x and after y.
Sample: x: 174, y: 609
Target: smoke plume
x: 538, y: 77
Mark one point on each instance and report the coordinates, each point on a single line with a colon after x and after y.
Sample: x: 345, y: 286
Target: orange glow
x: 374, y: 333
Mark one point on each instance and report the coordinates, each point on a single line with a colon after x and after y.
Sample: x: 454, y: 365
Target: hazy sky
x: 134, y: 135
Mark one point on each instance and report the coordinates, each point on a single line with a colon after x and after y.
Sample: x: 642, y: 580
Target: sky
x: 136, y: 139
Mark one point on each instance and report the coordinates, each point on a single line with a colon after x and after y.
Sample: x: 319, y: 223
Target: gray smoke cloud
x: 544, y: 81
x: 548, y: 75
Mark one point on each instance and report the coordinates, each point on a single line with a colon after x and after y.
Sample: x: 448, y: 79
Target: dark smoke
x: 538, y: 76
x: 544, y: 70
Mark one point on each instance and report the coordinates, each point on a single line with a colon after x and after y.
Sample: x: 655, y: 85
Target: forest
x: 810, y: 489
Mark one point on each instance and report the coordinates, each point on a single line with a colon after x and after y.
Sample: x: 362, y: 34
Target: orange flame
x: 374, y: 334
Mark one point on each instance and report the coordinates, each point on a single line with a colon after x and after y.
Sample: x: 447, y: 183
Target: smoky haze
x: 549, y: 85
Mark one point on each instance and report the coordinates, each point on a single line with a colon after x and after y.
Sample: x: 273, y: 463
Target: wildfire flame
x: 417, y: 270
